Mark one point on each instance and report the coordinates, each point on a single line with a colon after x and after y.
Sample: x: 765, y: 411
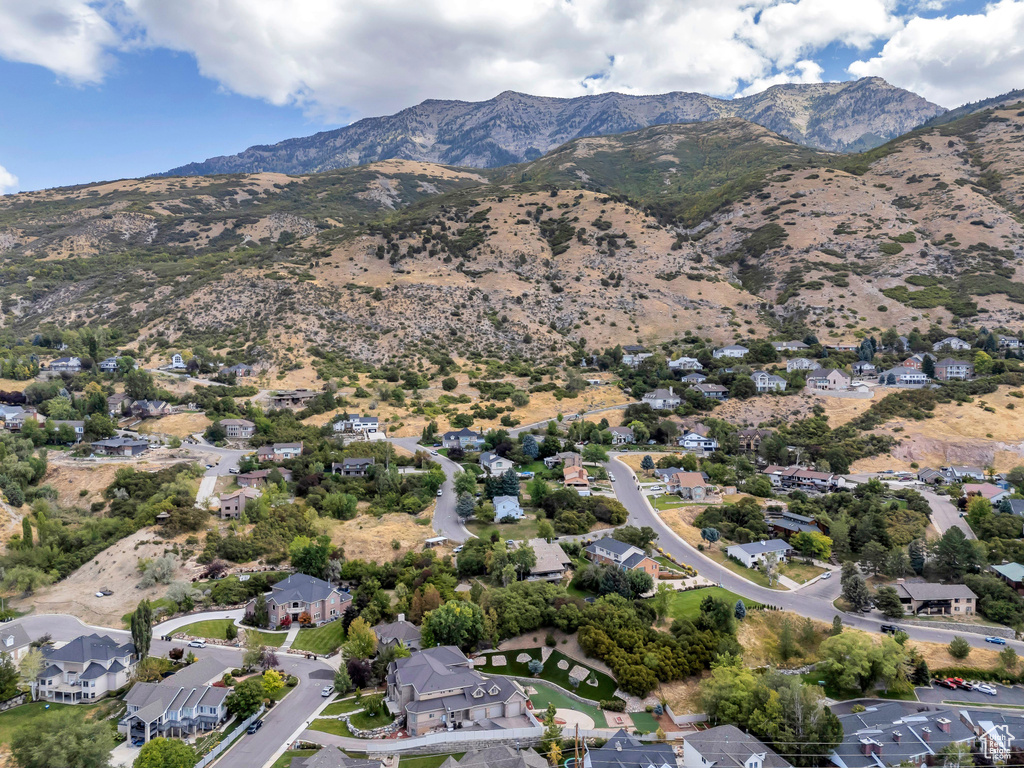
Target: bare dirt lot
x: 370, y: 538
x: 179, y: 425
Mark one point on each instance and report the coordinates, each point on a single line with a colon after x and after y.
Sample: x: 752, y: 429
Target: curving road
x: 445, y: 522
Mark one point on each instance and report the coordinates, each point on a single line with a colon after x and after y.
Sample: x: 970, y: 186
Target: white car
x: 100, y: 594
x: 440, y: 492
x: 433, y: 453
x: 656, y: 489
x: 196, y: 644
x: 458, y: 549
x: 327, y: 691
x: 611, y: 477
x: 986, y: 688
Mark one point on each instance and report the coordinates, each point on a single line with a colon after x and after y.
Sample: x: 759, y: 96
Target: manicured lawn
x: 331, y: 725
x: 364, y: 721
x: 686, y: 605
x: 545, y: 696
x: 285, y: 760
x: 519, y: 530
x: 800, y: 572
x: 320, y: 639
x: 605, y: 688
x: 644, y: 722
x: 665, y: 563
x: 750, y: 574
x: 662, y: 503
x: 35, y: 715
x: 341, y: 707
x: 216, y: 629
x: 427, y: 761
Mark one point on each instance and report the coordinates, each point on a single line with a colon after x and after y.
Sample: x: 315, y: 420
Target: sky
x: 94, y: 90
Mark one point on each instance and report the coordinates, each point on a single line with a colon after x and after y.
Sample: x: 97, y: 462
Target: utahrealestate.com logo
x: 996, y: 743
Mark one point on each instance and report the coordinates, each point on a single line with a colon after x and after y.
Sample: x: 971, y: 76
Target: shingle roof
x: 687, y: 479
x: 332, y: 757
x: 727, y: 745
x: 300, y: 587
x: 499, y: 756
x: 612, y: 545
x: 1011, y: 571
x: 12, y: 637
x: 397, y: 630
x: 550, y: 557
x: 758, y: 547
x: 625, y: 751
x: 90, y: 648
x: 918, y: 590
x: 435, y: 669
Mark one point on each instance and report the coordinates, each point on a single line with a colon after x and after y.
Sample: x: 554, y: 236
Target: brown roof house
x: 931, y: 599
x: 576, y: 477
x: 259, y: 478
x: 233, y: 504
x: 689, y: 485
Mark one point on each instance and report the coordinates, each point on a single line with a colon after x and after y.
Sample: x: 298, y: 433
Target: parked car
x: 995, y: 640
x: 433, y: 453
x: 440, y: 492
x: 892, y: 629
x: 327, y: 691
x: 611, y: 477
x: 656, y: 489
x: 254, y: 726
x: 196, y: 644
x: 827, y: 575
x: 986, y: 688
x: 457, y: 549
x: 234, y: 471
x: 967, y: 686
x: 945, y: 684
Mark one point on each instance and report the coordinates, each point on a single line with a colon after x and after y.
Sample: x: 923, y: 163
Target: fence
x: 228, y: 740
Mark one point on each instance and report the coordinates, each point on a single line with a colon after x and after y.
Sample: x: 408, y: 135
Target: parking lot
x: 1013, y: 695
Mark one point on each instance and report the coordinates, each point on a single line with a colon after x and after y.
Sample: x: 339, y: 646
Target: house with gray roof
x: 395, y: 632
x: 921, y: 597
x: 552, y: 562
x: 1012, y: 506
x: 495, y: 465
x: 625, y: 557
x: 726, y: 746
x: 14, y: 640
x: 179, y: 705
x: 120, y: 446
x: 498, y: 756
x: 756, y: 551
x: 332, y: 757
x: 85, y: 669
x: 438, y: 687
x: 626, y: 751
x: 300, y: 594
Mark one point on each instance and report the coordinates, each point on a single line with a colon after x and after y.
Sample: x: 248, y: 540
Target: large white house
x: 755, y: 552
x: 768, y: 382
x: 733, y: 350
x: 957, y: 345
x: 685, y: 364
x: 800, y: 364
x: 507, y: 508
x: 495, y: 465
x: 85, y: 669
x: 662, y: 399
x: 357, y: 424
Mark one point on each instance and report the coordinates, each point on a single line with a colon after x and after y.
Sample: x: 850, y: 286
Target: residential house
x: 120, y: 446
x: 65, y: 365
x: 799, y: 477
x: 697, y: 440
x: 903, y: 376
x: 958, y: 474
x: 399, y: 631
x: 768, y: 382
x: 291, y: 398
x: 989, y: 491
x: 507, y: 508
x: 800, y: 364
x: 301, y: 594
x: 685, y: 364
x: 151, y: 409
x: 828, y: 379
x: 957, y: 345
x: 662, y: 399
x: 109, y: 365
x: 552, y: 562
x: 177, y: 363
x: 1011, y: 573
x: 688, y: 485
x: 1009, y: 342
x: 118, y: 403
x: 712, y: 391
x: 497, y: 756
x: 363, y: 425
x: 576, y: 477
x: 238, y: 429
x: 76, y: 426
x: 1012, y: 506
x: 757, y: 551
x: 930, y: 598
x: 917, y: 361
x: 634, y: 354
x: 726, y: 746
x: 750, y: 439
x: 356, y: 466
x: 332, y: 757
x: 789, y: 346
x: 279, y: 452
x: 787, y: 523
x: 864, y: 368
x: 239, y: 371
x: 183, y: 704
x: 14, y: 640
x: 733, y: 350
x: 626, y: 751
x: 437, y: 687
x: 466, y: 439
x: 625, y: 557
x: 16, y: 416
x: 232, y: 505
x: 844, y: 346
x: 567, y: 458
x: 85, y: 669
x: 494, y: 465
x: 948, y: 369
x: 258, y: 478
x: 622, y: 435
x: 694, y: 378
x: 931, y: 476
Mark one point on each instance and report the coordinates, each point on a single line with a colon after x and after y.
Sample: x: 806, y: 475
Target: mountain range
x: 516, y: 127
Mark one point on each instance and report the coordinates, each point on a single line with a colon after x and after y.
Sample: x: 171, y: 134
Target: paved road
x: 813, y: 600
x: 945, y: 515
x: 280, y: 723
x: 445, y: 521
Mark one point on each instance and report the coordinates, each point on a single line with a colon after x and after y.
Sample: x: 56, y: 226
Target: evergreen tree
x: 647, y: 464
x: 509, y: 483
x: 916, y: 553
x: 928, y: 366
x: 26, y: 533
x: 464, y: 505
x: 740, y: 611
x: 530, y: 447
x: 142, y: 628
x: 837, y: 625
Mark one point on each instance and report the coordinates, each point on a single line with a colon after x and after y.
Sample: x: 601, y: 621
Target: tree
x: 9, y: 677
x: 710, y: 535
x: 342, y: 682
x: 530, y: 447
x: 536, y: 666
x: 787, y: 645
x: 660, y: 601
x: 449, y: 384
x: 741, y: 610
x: 272, y: 682
x: 770, y: 567
x: 165, y: 753
x: 1016, y: 477
x: 29, y: 667
x: 916, y: 555
x: 640, y: 582
x: 872, y: 557
x: 260, y: 612
x: 959, y: 648
x: 647, y: 464
x: 246, y: 698
x: 837, y: 626
x: 230, y: 631
x: 888, y: 602
x: 856, y: 592
x: 812, y: 544
x: 67, y: 740
x: 465, y: 482
x: 956, y: 755
x: 142, y: 628
x: 1008, y: 658
x: 465, y: 505
x: 928, y: 367
x: 362, y: 640
x: 846, y: 663
x: 545, y: 531
x: 954, y: 554
x: 457, y: 622
x: 595, y: 453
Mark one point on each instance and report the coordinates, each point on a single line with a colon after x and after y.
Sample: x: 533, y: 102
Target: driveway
x: 945, y: 515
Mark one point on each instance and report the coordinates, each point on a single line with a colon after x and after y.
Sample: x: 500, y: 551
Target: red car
x: 945, y: 684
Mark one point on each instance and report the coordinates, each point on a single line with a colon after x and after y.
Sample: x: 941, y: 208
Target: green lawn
x: 686, y: 605
x: 800, y: 572
x: 320, y: 639
x: 644, y: 722
x: 216, y: 629
x: 341, y: 707
x: 519, y: 530
x: 330, y: 725
x: 605, y: 688
x: 285, y: 760
x: 364, y: 721
x: 545, y: 696
x: 662, y: 503
x: 35, y: 715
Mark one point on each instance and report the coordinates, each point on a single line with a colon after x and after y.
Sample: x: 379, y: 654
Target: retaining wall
x: 956, y: 626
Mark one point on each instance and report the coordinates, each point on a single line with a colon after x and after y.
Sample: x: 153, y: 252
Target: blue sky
x: 103, y: 89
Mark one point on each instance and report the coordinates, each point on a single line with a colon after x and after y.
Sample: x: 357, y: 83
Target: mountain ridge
x: 515, y: 127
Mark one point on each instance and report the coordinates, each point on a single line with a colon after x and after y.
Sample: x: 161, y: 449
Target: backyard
x: 320, y: 640
x: 686, y: 605
x: 216, y: 629
x: 800, y: 572
x: 35, y: 715
x: 597, y: 686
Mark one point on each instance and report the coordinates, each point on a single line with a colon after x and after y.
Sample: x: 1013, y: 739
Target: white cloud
x: 69, y: 37
x: 804, y: 71
x: 8, y: 181
x: 952, y: 60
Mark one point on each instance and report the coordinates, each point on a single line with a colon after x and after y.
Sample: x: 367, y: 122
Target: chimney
x: 897, y: 736
x: 618, y: 746
x: 670, y: 391
x: 926, y: 734
x: 943, y: 724
x: 401, y: 617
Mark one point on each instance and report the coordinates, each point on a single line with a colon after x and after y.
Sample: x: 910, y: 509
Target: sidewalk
x: 293, y: 632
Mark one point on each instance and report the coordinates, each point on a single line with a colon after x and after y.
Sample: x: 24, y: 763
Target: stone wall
x: 14, y: 701
x: 956, y: 626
